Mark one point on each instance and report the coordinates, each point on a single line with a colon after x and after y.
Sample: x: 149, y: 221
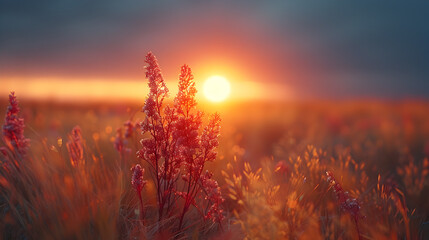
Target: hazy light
x: 112, y: 90
x: 216, y: 88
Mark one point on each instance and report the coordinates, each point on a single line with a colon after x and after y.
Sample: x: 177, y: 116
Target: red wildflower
x: 137, y: 178
x: 158, y: 89
x: 129, y: 128
x: 119, y: 140
x: 148, y: 151
x: 120, y: 143
x: 347, y: 204
x: 176, y: 141
x: 209, y: 138
x: 13, y: 128
x: 185, y: 99
x: 138, y: 183
x: 214, y: 196
x: 75, y: 146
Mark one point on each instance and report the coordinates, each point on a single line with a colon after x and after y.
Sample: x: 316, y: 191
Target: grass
x: 376, y: 153
x: 328, y: 170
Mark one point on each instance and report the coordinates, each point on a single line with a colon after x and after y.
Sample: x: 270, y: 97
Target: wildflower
x: 214, y: 196
x: 176, y: 146
x: 137, y: 179
x: 13, y: 128
x: 196, y: 151
x: 120, y: 143
x: 185, y: 99
x: 129, y: 129
x: 75, y: 146
x: 119, y: 140
x: 138, y: 183
x: 154, y: 122
x: 209, y: 138
x: 187, y: 125
x: 348, y: 204
x: 148, y: 151
x: 158, y: 89
x: 186, y: 136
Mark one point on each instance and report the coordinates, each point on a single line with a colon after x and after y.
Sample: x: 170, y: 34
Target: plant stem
x: 142, y: 213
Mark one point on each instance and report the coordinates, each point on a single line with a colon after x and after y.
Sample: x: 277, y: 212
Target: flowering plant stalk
x: 347, y: 204
x: 75, y: 147
x: 138, y: 183
x: 13, y: 128
x: 177, y: 147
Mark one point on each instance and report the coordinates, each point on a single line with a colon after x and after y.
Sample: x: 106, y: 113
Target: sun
x: 216, y: 88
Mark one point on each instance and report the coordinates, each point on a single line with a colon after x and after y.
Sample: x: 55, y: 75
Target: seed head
x: 13, y: 128
x: 137, y: 179
x: 75, y: 146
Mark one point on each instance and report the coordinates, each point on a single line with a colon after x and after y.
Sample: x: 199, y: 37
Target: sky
x: 267, y: 49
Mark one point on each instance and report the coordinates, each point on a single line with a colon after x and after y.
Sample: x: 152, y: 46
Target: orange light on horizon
x: 83, y: 90
x: 76, y: 90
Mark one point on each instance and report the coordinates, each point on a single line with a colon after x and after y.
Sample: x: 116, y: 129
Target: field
x: 321, y: 170
x: 269, y: 120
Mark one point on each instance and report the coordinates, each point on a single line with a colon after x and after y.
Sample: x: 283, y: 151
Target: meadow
x: 278, y: 170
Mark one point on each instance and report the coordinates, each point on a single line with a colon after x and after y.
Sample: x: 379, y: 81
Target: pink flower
x: 148, y: 151
x: 129, y: 129
x: 185, y: 99
x: 210, y: 136
x: 158, y: 89
x: 186, y: 136
x: 120, y: 143
x: 13, y: 128
x: 137, y: 179
x: 138, y: 183
x: 119, y: 140
x: 75, y: 146
x: 176, y: 145
x: 214, y: 196
x: 347, y: 204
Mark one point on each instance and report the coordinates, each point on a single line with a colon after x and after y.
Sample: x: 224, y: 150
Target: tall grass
x: 365, y: 177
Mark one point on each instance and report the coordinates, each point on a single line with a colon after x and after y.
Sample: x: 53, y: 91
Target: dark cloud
x: 369, y: 48
x: 341, y: 49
